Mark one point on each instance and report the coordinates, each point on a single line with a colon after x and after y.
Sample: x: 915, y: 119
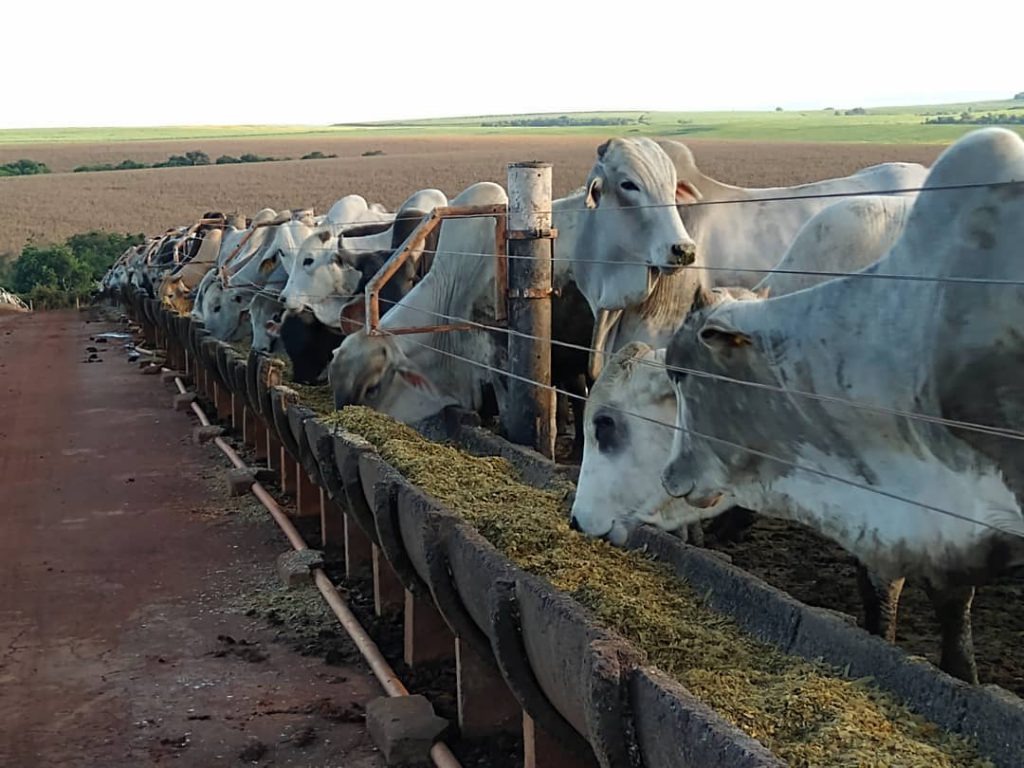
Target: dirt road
x: 124, y: 575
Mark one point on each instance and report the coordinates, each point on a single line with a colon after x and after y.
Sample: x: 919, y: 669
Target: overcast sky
x: 212, y: 62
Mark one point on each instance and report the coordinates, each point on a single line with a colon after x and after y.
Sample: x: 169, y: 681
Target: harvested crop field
x: 54, y: 206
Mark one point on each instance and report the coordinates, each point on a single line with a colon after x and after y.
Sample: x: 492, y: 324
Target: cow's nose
x: 684, y: 254
x: 574, y: 524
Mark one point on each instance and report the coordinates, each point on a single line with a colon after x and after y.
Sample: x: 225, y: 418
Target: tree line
x: 194, y: 158
x: 53, y: 276
x: 971, y: 118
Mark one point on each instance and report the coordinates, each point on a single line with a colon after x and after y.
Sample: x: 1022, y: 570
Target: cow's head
x: 265, y: 316
x: 633, y: 231
x: 320, y: 272
x: 375, y: 372
x: 627, y: 439
x: 225, y: 312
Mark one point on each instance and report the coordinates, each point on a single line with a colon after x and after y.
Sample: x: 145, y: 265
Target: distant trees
x: 174, y: 161
x: 973, y: 118
x: 248, y: 157
x: 124, y: 165
x: 561, y: 120
x: 23, y: 167
x: 189, y: 159
x: 54, y: 275
x: 1018, y: 96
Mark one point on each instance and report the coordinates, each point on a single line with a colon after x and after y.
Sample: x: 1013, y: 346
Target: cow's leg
x: 881, y: 600
x: 953, y: 610
x: 561, y: 414
x: 577, y: 423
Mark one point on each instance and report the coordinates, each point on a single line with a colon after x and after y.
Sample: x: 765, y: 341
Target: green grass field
x: 898, y: 125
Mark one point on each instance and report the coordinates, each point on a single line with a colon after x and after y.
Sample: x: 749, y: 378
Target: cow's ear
x: 353, y: 315
x: 593, y: 197
x: 415, y: 379
x: 721, y: 338
x: 345, y: 258
x: 269, y: 264
x: 687, y: 193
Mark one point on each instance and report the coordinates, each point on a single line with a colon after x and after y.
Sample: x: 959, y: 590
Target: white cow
x: 628, y: 205
x: 389, y: 373
x: 907, y: 496
x: 629, y: 416
x: 326, y: 274
x: 638, y: 299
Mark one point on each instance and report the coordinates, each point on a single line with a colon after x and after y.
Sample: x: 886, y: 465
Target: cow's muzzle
x: 683, y: 254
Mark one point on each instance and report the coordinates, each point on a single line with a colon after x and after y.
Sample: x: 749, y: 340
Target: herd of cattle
x: 818, y: 353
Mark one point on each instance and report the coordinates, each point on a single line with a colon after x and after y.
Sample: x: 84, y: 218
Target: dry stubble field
x: 49, y: 208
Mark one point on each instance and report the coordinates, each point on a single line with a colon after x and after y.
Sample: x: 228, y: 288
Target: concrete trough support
x: 287, y: 467
x: 253, y: 435
x: 307, y: 494
x: 485, y: 704
x: 541, y: 750
x: 332, y: 525
x: 358, y: 550
x: 388, y: 592
x: 222, y: 401
x: 427, y: 637
x: 273, y: 449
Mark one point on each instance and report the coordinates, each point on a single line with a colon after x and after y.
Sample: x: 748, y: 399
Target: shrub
x: 23, y: 167
x: 189, y: 158
x: 53, y: 276
x: 373, y: 152
x: 316, y: 155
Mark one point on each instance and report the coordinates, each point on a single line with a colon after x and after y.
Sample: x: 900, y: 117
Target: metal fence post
x: 529, y: 418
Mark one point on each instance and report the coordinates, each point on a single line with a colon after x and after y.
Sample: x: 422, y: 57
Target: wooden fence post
x: 530, y: 416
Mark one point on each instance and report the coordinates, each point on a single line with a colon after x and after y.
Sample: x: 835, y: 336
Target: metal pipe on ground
x: 440, y: 754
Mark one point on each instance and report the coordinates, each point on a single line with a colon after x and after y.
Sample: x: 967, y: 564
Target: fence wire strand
x: 1003, y: 432
x: 731, y: 444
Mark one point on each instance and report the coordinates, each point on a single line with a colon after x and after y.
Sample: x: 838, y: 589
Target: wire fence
x: 338, y: 230
x: 728, y: 443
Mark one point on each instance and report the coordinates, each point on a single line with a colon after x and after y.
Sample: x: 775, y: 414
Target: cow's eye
x: 308, y: 261
x: 371, y: 391
x: 629, y: 186
x: 604, y: 430
x: 277, y: 317
x: 238, y: 299
x: 217, y: 308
